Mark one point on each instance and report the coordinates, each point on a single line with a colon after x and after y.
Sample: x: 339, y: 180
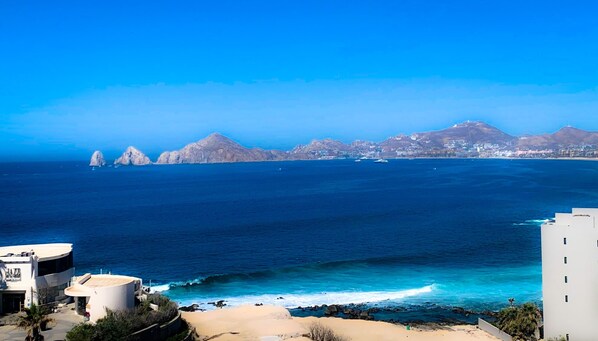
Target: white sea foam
x: 159, y: 288
x: 168, y: 286
x: 536, y: 221
x: 531, y: 222
x: 307, y: 300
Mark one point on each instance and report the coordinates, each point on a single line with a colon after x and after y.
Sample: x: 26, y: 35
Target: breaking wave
x: 531, y: 222
x: 294, y: 300
x: 304, y: 300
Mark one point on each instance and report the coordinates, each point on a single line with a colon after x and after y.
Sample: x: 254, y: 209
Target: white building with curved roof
x: 95, y: 293
x: 36, y: 273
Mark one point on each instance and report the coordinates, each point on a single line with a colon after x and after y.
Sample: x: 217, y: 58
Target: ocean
x: 409, y: 235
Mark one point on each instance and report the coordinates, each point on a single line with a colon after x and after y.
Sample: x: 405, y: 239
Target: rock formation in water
x: 467, y: 139
x: 97, y: 159
x: 132, y: 156
x: 217, y: 148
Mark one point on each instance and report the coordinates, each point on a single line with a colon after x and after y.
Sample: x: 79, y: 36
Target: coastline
x: 78, y: 161
x: 429, y: 314
x: 387, y: 158
x: 276, y: 323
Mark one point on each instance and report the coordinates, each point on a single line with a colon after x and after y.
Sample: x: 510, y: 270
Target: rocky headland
x: 217, y: 148
x: 132, y: 156
x: 464, y: 140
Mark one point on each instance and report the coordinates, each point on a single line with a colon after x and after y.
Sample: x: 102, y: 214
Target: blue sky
x: 78, y: 76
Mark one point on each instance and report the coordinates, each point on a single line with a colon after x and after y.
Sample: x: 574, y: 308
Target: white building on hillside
x: 34, y: 274
x: 96, y: 293
x: 570, y: 275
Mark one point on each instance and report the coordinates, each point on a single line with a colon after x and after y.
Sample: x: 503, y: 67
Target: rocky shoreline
x: 418, y: 315
x: 428, y: 314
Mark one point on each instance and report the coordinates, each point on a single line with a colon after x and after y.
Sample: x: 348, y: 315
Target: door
x: 12, y: 302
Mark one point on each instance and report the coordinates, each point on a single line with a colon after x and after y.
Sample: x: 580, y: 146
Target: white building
x: 34, y: 274
x: 570, y: 275
x: 96, y: 293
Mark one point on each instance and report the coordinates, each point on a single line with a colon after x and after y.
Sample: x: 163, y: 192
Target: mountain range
x: 468, y: 139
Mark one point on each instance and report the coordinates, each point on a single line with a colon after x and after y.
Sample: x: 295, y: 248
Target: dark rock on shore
x: 426, y: 314
x: 218, y: 304
x: 191, y: 308
x: 331, y: 310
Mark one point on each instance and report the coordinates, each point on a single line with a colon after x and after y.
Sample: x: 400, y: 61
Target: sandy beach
x: 269, y: 323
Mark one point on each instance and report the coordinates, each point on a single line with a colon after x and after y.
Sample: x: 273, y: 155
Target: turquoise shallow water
x: 406, y: 233
x: 382, y: 286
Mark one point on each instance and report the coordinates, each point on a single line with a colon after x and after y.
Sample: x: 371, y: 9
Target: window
x: 55, y: 265
x: 565, y: 260
x: 565, y: 279
x: 565, y: 241
x: 566, y: 298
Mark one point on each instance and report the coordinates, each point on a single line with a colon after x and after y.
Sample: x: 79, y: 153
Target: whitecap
x: 159, y: 288
x: 293, y: 300
x: 531, y: 222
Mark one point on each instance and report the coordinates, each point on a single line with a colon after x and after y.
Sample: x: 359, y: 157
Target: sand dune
x: 270, y: 323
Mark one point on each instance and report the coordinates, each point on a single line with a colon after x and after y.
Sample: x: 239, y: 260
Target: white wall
x: 577, y: 317
x: 119, y: 297
x: 27, y: 277
x: 29, y: 283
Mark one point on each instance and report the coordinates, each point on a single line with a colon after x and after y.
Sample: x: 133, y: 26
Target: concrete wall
x: 492, y: 330
x: 570, y: 275
x: 157, y: 332
x: 121, y: 297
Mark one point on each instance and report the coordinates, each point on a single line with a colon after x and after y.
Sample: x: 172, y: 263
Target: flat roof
x: 84, y: 285
x: 42, y: 251
x: 95, y: 281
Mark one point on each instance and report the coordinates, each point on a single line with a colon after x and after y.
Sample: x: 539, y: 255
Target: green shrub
x: 117, y: 325
x: 521, y: 322
x: 319, y: 332
x: 33, y: 321
x: 81, y: 332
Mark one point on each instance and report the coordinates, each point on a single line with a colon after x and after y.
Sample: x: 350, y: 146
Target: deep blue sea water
x: 411, y: 232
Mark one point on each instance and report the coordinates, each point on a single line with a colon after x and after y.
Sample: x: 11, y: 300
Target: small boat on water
x: 381, y: 161
x: 358, y: 160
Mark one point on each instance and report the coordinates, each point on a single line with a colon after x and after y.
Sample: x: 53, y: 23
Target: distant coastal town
x: 464, y: 140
